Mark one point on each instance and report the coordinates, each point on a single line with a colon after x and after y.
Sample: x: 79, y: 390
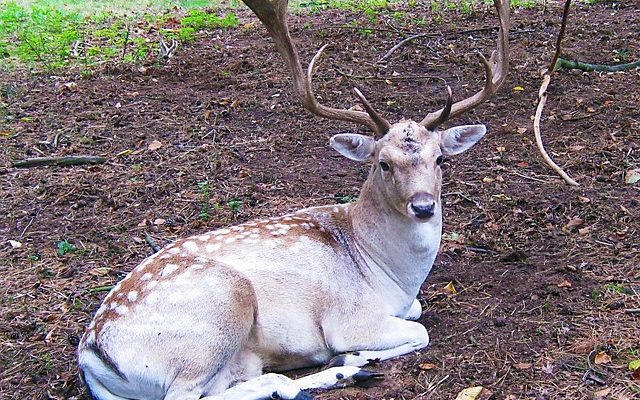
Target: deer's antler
x: 495, y: 73
x: 273, y: 14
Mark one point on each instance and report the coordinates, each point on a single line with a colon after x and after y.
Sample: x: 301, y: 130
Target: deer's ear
x: 353, y: 146
x: 460, y: 138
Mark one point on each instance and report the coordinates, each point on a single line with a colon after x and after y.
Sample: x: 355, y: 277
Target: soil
x: 547, y: 275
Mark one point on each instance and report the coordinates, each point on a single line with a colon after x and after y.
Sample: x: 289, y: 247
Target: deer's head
x: 407, y: 155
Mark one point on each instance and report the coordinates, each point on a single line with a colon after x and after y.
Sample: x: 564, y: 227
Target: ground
x: 547, y: 275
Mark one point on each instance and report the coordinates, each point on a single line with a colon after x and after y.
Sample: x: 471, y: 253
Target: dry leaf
x: 450, y: 288
x: 471, y: 393
x: 500, y: 149
x: 591, y: 110
x: 522, y: 130
x: 426, y: 366
x: 632, y: 176
x: 574, y: 223
x: 522, y: 366
x: 523, y: 164
x: 486, y: 179
x: 15, y: 244
x: 584, y: 231
x: 634, y: 365
x: 564, y: 284
x: 155, y: 145
x: 602, y: 393
x: 584, y: 200
x: 518, y: 88
x: 602, y: 358
x: 636, y: 375
x: 159, y: 221
x: 142, y: 223
x: 101, y: 271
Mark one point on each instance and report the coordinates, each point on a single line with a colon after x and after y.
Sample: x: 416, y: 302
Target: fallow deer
x: 337, y: 285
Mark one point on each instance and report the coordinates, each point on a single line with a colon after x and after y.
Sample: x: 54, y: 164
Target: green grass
x: 49, y: 35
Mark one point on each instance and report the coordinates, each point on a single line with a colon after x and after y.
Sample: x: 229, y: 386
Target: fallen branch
x: 151, y: 242
x: 60, y: 161
x: 542, y: 99
x: 571, y: 64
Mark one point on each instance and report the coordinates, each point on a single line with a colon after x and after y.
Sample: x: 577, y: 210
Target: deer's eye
x: 439, y: 160
x: 384, y: 166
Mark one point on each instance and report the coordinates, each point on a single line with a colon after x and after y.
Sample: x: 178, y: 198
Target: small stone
x: 499, y: 322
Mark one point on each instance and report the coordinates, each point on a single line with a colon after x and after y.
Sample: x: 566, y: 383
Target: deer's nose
x: 422, y: 205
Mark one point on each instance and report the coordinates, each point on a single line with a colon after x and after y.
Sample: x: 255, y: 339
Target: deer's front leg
x: 415, y: 312
x: 390, y: 337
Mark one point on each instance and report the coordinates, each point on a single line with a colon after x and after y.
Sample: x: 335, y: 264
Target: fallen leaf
x: 584, y: 231
x: 634, y: 365
x: 523, y: 164
x: 71, y: 86
x: 486, y: 179
x: 159, y: 221
x: 450, y: 288
x: 576, y: 147
x: 426, y: 366
x: 124, y: 153
x: 471, y: 393
x: 574, y: 223
x: 602, y: 393
x: 564, y: 284
x: 602, y: 358
x: 548, y: 368
x: 518, y: 88
x: 584, y: 200
x: 142, y: 223
x: 100, y: 271
x: 632, y: 176
x: 500, y: 149
x: 155, y: 145
x: 608, y: 103
x: 118, y: 105
x: 501, y: 197
x: 636, y: 375
x: 522, y: 130
x: 451, y: 236
x: 522, y: 366
x: 15, y: 244
x: 590, y: 110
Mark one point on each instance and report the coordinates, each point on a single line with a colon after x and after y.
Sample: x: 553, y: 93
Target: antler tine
x: 273, y: 15
x: 382, y: 124
x: 495, y: 72
x: 443, y: 114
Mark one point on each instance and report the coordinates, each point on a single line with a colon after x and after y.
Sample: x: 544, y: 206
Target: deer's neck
x: 390, y: 242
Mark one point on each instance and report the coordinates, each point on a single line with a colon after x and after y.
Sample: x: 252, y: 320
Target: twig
x: 632, y: 310
x: 388, y: 78
x: 571, y: 64
x: 421, y: 35
x: 61, y: 161
x: 542, y: 99
x: 151, y: 242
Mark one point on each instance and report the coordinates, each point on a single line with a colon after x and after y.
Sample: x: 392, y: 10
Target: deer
x: 221, y: 315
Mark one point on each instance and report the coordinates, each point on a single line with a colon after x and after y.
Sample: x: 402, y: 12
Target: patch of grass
x: 235, y: 206
x: 50, y: 35
x: 203, y: 188
x: 64, y: 247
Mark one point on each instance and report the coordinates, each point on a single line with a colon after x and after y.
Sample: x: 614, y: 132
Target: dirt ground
x: 547, y: 275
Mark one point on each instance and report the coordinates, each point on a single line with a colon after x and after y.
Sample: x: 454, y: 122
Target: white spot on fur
x: 269, y: 227
x: 224, y: 231
x: 230, y: 239
x: 335, y: 209
x: 165, y: 256
x: 211, y: 247
x: 174, y: 251
x: 113, y: 305
x: 254, y: 235
x: 204, y: 238
x: 132, y: 296
x: 250, y: 241
x: 122, y: 309
x: 151, y: 285
x: 146, y: 276
x: 195, y: 267
x: 305, y: 226
x: 287, y: 219
x: 168, y: 269
x: 237, y: 228
x: 191, y: 246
